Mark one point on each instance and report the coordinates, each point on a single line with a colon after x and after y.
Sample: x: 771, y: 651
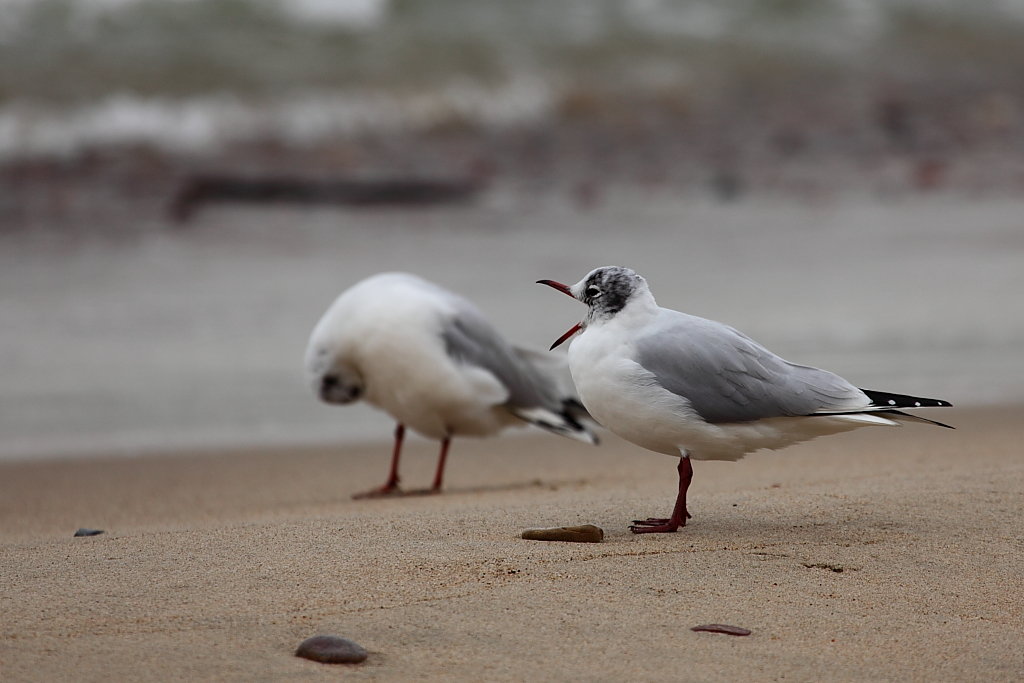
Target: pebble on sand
x: 587, y: 533
x: 88, y: 532
x: 722, y: 628
x: 331, y: 650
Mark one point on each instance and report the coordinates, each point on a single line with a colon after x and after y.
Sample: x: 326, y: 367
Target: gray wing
x: 535, y: 395
x: 728, y: 377
x: 470, y: 338
x: 554, y: 367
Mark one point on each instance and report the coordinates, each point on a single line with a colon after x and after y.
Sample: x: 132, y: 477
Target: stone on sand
x: 587, y: 533
x: 331, y: 650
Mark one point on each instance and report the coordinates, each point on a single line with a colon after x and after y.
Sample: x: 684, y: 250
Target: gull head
x: 605, y: 291
x: 332, y: 379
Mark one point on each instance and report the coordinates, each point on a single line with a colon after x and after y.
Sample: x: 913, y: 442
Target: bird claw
x: 651, y: 521
x: 657, y: 525
x: 654, y: 529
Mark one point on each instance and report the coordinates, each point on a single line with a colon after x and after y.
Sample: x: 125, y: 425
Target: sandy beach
x: 885, y: 554
x: 186, y: 187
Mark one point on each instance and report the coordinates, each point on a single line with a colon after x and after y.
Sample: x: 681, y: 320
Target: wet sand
x: 885, y: 554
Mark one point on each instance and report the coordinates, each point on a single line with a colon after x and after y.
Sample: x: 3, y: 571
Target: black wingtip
x: 887, y: 400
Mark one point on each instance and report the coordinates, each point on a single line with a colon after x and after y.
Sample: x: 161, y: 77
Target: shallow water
x: 179, y: 338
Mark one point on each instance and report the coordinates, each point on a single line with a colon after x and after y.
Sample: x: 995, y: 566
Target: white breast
x: 618, y: 392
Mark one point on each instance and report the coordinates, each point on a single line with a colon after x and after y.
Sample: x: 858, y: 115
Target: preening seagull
x: 695, y: 388
x: 429, y: 358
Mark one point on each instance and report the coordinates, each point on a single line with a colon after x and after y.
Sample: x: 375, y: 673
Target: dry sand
x: 215, y: 566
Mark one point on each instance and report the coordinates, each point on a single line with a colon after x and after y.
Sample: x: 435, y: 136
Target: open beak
x: 564, y: 289
x: 573, y: 330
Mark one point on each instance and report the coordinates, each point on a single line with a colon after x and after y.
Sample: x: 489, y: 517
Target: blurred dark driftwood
x: 197, y: 191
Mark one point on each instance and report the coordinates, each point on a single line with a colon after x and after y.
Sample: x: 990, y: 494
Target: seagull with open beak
x: 695, y: 388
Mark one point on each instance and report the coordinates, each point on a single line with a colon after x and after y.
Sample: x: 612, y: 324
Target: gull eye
x: 593, y: 291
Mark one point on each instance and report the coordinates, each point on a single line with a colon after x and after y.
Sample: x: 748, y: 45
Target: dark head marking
x: 340, y: 388
x: 606, y: 290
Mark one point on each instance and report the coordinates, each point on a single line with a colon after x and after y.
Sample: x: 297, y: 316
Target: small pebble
x: 588, y: 533
x: 331, y: 650
x: 722, y: 628
x: 88, y: 532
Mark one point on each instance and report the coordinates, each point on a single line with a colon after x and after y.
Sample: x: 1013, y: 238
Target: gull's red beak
x: 573, y: 330
x: 564, y: 289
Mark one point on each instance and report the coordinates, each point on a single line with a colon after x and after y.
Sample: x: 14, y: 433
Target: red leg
x: 439, y: 475
x: 657, y: 525
x: 389, y: 487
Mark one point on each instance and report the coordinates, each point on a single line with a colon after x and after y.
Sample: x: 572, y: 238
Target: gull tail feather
x: 884, y: 403
x: 916, y: 418
x: 564, y: 424
x: 863, y: 418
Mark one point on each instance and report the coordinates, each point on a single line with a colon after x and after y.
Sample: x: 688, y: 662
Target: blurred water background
x: 841, y: 179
